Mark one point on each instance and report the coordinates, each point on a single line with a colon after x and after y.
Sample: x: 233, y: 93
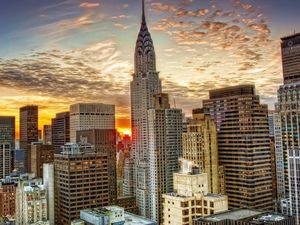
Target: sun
x: 125, y: 131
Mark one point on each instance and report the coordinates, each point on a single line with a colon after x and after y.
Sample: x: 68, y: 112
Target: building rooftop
x: 234, y: 215
x: 246, y: 89
x: 249, y: 215
x: 214, y: 195
x: 132, y: 219
x: 173, y: 194
x: 34, y: 188
x: 98, y: 212
x: 290, y: 36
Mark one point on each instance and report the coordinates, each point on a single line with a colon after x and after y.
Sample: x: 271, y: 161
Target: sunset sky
x: 54, y: 53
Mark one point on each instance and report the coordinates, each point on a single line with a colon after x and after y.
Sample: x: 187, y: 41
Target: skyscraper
x: 290, y: 46
x: 40, y: 154
x: 47, y: 138
x: 244, y: 146
x: 272, y: 115
x: 104, y: 142
x: 165, y: 148
x: 48, y: 180
x: 144, y: 86
x: 81, y: 181
x: 289, y: 114
x: 7, y: 145
x: 200, y: 145
x: 87, y: 116
x: 60, y: 130
x: 28, y: 131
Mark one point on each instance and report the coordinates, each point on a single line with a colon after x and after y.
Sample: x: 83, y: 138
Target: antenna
x: 175, y: 103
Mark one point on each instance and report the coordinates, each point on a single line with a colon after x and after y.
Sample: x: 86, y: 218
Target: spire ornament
x: 145, y: 60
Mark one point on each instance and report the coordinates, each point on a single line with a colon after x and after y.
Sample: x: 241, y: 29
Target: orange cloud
x: 89, y: 5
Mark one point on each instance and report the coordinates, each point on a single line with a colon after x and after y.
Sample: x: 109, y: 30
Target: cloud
x: 125, y: 6
x: 121, y: 26
x: 163, y: 7
x: 222, y: 45
x: 96, y: 73
x: 121, y: 17
x: 89, y: 5
x: 263, y: 28
x: 204, y: 47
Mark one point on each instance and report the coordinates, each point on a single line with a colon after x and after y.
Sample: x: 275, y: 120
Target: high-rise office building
x: 19, y: 161
x: 104, y: 142
x: 28, y: 131
x: 143, y: 87
x: 60, y: 130
x: 165, y: 149
x: 87, y: 116
x: 280, y: 186
x: 190, y: 198
x: 31, y: 202
x: 272, y: 129
x: 47, y: 132
x: 40, y: 154
x: 290, y: 46
x: 200, y: 145
x: 7, y: 145
x: 48, y: 181
x: 289, y: 113
x: 81, y: 181
x: 129, y: 179
x: 244, y: 146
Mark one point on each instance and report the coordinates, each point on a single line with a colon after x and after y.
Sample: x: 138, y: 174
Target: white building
x: 48, y: 180
x: 165, y: 148
x: 31, y: 202
x: 87, y: 116
x: 190, y: 198
x: 110, y: 215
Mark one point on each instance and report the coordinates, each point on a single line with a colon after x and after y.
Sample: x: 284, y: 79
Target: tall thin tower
x: 288, y: 135
x: 144, y: 86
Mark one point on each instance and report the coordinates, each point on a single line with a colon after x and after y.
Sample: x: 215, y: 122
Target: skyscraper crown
x: 144, y: 51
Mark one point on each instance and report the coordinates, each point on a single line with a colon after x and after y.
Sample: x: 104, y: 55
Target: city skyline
x: 171, y: 122
x: 57, y: 53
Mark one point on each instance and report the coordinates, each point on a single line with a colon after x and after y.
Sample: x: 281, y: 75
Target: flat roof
x: 132, y: 219
x: 216, y: 196
x: 234, y: 215
x: 245, y: 215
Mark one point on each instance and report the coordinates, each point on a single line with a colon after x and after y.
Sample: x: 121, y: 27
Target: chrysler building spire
x: 143, y: 17
x: 144, y: 51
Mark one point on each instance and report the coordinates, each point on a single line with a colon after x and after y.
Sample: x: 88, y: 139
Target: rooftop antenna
x: 175, y: 103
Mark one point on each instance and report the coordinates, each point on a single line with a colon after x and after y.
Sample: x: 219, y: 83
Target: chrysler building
x: 144, y: 86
